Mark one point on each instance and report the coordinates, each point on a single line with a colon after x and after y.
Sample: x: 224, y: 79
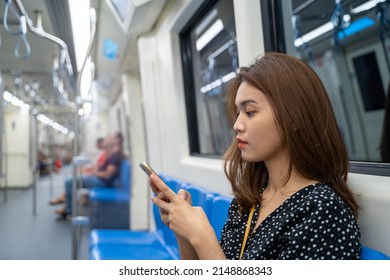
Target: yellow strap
x: 248, y: 226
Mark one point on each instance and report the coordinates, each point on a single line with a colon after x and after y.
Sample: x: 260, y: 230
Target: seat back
x: 109, y: 207
x: 124, y: 181
x: 219, y: 208
x: 200, y: 197
x: 371, y: 254
x: 158, y: 222
x: 172, y: 182
x: 168, y: 235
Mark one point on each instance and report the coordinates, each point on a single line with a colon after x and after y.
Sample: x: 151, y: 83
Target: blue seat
x: 200, y: 197
x: 131, y: 245
x: 137, y: 245
x: 106, y: 236
x: 219, y: 208
x: 109, y: 206
x: 169, y: 237
x: 124, y: 237
x: 371, y: 254
x: 161, y: 243
x: 128, y: 252
x: 172, y: 182
x: 119, y: 191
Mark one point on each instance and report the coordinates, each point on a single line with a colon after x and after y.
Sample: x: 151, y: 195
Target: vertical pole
x: 33, y: 159
x: 50, y: 143
x: 2, y: 175
x: 74, y: 189
x: 49, y: 135
x: 77, y: 141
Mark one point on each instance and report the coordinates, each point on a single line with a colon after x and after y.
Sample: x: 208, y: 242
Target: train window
x: 210, y: 60
x: 348, y: 44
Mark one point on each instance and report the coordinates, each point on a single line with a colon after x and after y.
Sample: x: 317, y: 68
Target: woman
x: 288, y: 162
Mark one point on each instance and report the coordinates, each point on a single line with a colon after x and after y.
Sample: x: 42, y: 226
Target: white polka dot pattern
x: 314, y: 223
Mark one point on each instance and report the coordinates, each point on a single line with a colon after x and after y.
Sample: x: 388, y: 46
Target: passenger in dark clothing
x: 105, y: 176
x: 43, y: 162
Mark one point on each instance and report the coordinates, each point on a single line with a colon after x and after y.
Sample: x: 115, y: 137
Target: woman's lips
x: 241, y: 143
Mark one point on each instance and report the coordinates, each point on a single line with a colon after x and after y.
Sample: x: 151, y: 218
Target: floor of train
x: 25, y: 235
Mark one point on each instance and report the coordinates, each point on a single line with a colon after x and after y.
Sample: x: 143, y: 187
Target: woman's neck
x: 280, y: 183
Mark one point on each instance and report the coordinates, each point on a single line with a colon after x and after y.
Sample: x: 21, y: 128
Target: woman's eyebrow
x: 246, y: 102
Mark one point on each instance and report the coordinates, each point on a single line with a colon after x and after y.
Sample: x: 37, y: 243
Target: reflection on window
x: 370, y: 81
x: 210, y: 42
x: 347, y: 43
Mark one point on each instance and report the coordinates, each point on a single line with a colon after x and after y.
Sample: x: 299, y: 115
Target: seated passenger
x: 288, y: 166
x: 103, y: 145
x: 43, y: 162
x: 101, y: 159
x: 104, y: 176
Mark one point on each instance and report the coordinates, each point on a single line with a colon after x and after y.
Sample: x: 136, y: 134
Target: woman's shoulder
x: 321, y: 195
x: 234, y: 205
x: 322, y: 191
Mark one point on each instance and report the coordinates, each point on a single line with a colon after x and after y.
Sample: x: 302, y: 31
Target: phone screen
x: 146, y: 168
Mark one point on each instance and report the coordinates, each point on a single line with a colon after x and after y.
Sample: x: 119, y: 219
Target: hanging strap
x: 248, y: 226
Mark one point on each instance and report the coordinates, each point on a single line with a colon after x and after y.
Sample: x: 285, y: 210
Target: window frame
x: 275, y: 41
x: 189, y: 86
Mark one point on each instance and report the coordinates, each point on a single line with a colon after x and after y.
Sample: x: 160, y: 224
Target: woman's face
x: 257, y: 131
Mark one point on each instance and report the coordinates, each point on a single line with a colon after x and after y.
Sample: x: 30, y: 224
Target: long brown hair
x: 307, y: 123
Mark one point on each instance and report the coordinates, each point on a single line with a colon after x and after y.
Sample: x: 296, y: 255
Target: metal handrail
x: 64, y: 57
x: 9, y: 6
x: 21, y: 32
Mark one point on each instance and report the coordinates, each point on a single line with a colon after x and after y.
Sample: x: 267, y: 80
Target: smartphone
x: 146, y: 168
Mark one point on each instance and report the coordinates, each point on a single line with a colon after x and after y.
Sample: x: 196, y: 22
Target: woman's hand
x: 196, y: 237
x: 176, y: 211
x: 153, y: 186
x: 183, y: 194
x: 163, y: 213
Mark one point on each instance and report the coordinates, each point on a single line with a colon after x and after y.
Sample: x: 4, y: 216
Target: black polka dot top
x: 314, y: 223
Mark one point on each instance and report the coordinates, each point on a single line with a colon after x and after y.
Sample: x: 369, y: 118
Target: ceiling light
x: 315, y: 33
x: 209, y: 34
x: 366, y: 6
x: 329, y: 26
x: 80, y: 20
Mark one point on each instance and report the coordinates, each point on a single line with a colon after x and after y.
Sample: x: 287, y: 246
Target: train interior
x: 157, y: 71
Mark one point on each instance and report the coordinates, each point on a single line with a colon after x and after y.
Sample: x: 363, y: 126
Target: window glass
x: 347, y: 43
x: 210, y: 61
x: 370, y: 81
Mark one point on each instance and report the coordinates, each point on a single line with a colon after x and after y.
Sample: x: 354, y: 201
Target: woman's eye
x: 250, y: 113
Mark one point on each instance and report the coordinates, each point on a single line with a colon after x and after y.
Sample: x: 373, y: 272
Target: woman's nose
x: 238, y: 125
